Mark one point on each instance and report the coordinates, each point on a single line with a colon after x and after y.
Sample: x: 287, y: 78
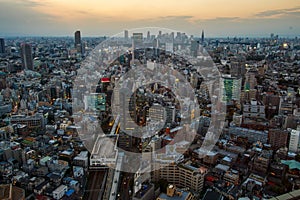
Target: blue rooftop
x: 70, y: 192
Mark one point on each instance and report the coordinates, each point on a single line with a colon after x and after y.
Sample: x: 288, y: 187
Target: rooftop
x: 293, y: 164
x: 183, y: 196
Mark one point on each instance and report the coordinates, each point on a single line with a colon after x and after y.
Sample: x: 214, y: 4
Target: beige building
x: 232, y: 176
x: 183, y: 175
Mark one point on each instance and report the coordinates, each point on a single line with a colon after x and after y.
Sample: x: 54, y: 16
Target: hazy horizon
x: 105, y: 18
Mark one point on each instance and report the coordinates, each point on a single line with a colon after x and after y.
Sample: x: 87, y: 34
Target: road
x: 125, y: 186
x: 95, y: 185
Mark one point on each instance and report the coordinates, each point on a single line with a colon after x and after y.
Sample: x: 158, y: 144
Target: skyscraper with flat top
x: 26, y: 54
x: 126, y: 35
x: 78, y: 45
x: 2, y: 45
x: 77, y: 38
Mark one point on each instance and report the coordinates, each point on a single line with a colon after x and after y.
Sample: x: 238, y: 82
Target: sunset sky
x: 106, y: 17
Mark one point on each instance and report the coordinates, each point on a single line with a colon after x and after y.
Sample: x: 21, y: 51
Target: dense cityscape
x: 62, y: 138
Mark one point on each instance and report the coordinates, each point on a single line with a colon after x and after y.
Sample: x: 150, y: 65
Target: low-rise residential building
x: 59, y: 192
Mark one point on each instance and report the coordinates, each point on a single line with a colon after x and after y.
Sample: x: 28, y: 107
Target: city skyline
x: 61, y: 18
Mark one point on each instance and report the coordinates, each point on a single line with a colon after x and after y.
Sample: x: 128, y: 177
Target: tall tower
x: 126, y: 35
x: 26, y: 54
x: 2, y: 45
x: 202, y: 37
x: 78, y: 41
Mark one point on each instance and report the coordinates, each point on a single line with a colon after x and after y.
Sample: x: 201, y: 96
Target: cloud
x: 31, y: 3
x: 22, y: 19
x: 174, y: 17
x: 37, y: 17
x: 279, y: 12
x: 219, y: 20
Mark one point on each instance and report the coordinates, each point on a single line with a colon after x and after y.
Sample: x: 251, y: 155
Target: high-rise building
x: 170, y: 114
x: 286, y: 105
x: 2, y: 45
x: 278, y: 138
x: 294, y: 141
x: 271, y: 102
x: 95, y: 101
x: 231, y: 89
x: 137, y: 39
x: 159, y: 34
x: 126, y: 34
x: 26, y: 54
x: 194, y: 48
x: 77, y: 38
x: 250, y: 82
x: 202, y: 37
x: 127, y: 111
x: 78, y: 45
x: 157, y: 113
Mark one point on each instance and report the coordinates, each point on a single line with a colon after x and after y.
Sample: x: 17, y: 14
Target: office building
x: 194, y: 48
x: 126, y: 35
x: 170, y: 114
x: 183, y: 175
x: 94, y: 102
x: 36, y: 121
x: 278, y: 138
x: 157, y: 113
x: 125, y: 141
x: 127, y: 109
x: 78, y: 44
x: 26, y: 54
x: 231, y: 89
x: 5, y: 107
x: 271, y: 102
x: 2, y: 45
x: 137, y: 39
x: 286, y: 106
x: 77, y: 38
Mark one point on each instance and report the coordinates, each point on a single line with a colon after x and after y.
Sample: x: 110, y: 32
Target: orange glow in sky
x: 137, y: 9
x: 218, y: 17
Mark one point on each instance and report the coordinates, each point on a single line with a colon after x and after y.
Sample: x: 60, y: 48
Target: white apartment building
x: 294, y: 141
